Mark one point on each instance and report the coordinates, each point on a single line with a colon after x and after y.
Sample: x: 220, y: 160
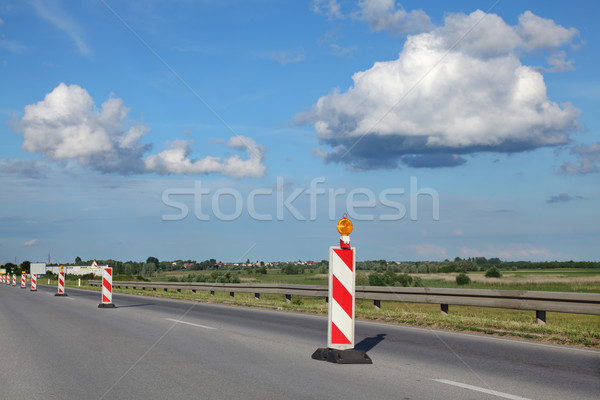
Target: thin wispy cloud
x: 53, y: 12
x: 284, y: 57
x: 562, y: 198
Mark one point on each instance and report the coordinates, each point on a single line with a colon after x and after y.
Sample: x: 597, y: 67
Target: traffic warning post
x: 61, y: 282
x: 14, y: 279
x: 23, y: 281
x: 33, y: 282
x: 341, y: 306
x: 106, y: 288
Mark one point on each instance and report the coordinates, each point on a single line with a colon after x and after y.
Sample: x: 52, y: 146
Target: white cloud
x: 284, y: 58
x: 330, y: 8
x: 558, y: 62
x: 589, y: 160
x: 175, y: 160
x: 542, y: 33
x: 458, y: 89
x: 386, y: 15
x: 67, y: 125
x: 31, y: 243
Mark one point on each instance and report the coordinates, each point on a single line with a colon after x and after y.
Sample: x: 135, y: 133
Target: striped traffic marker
x: 106, y: 288
x: 34, y: 282
x: 14, y: 279
x: 340, y: 321
x: 61, y: 284
x: 23, y: 282
x: 340, y: 334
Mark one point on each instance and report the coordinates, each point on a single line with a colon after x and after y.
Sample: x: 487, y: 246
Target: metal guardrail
x: 541, y: 302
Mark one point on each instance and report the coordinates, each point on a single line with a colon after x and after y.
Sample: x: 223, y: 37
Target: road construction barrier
x: 106, y: 288
x: 340, y: 333
x: 14, y: 279
x: 23, y: 281
x: 61, y: 284
x: 34, y: 282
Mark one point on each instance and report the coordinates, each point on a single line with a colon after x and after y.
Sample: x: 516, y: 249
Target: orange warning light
x: 344, y: 226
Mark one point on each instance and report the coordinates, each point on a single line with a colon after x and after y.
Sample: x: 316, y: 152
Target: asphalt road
x: 148, y: 348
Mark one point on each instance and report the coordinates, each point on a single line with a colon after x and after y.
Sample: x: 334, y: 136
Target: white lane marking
x: 480, y: 389
x: 189, y: 323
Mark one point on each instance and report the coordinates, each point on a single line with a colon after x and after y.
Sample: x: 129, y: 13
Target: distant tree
x: 148, y: 269
x: 78, y: 261
x: 152, y: 260
x: 25, y: 265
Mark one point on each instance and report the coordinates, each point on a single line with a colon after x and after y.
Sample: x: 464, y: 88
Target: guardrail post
x: 444, y: 308
x: 377, y: 304
x: 256, y: 296
x: 540, y: 317
x: 288, y: 298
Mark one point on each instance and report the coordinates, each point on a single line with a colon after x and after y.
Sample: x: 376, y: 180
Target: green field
x: 574, y: 329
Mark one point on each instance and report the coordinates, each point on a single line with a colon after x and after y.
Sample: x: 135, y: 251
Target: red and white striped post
x: 34, y: 282
x: 14, y: 279
x: 3, y: 279
x: 61, y: 282
x: 340, y: 321
x: 23, y: 281
x: 340, y: 332
x: 106, y: 288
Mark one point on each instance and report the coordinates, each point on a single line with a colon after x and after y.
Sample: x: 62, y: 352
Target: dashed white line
x: 189, y: 323
x: 480, y: 389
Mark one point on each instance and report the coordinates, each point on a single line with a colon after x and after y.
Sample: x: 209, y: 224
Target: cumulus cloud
x: 458, y: 89
x: 175, y: 160
x: 67, y: 125
x: 542, y: 33
x: 386, y: 15
x: 589, y: 159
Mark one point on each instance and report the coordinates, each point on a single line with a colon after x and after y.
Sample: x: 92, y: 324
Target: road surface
x: 149, y: 348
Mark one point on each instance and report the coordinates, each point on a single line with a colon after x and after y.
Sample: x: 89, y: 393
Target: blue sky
x: 242, y: 130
